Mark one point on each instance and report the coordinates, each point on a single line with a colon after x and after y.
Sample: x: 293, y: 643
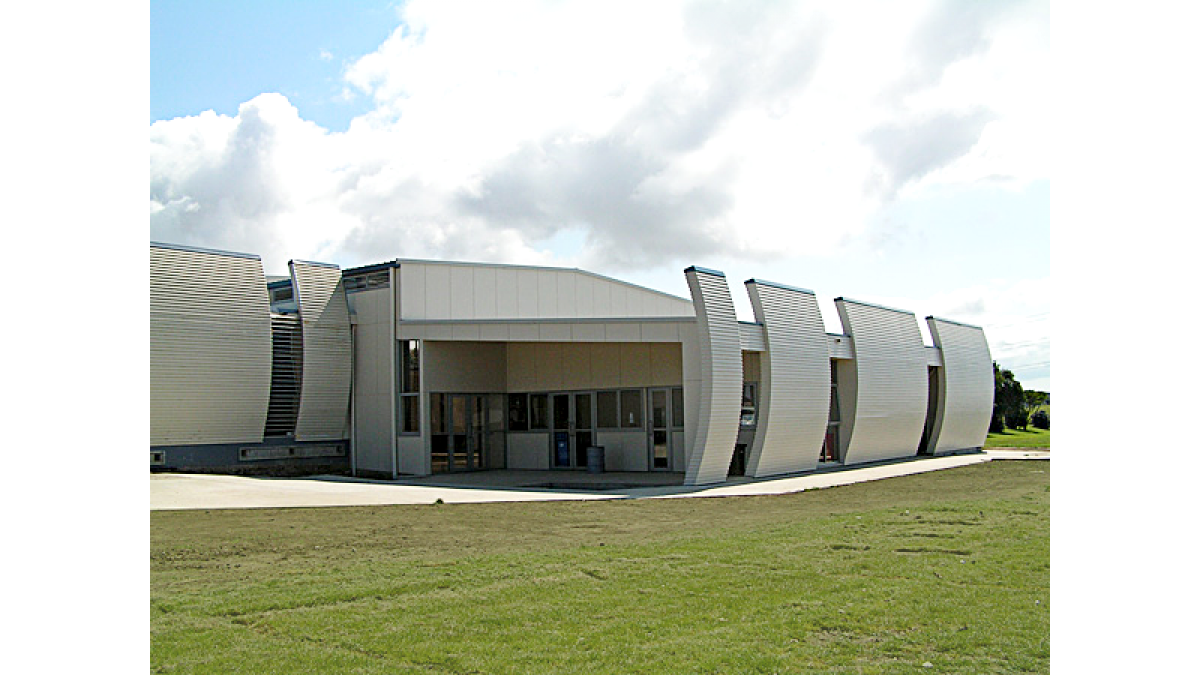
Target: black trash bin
x: 595, y: 459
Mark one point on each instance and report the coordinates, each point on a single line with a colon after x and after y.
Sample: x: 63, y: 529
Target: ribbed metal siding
x: 325, y: 323
x: 286, y: 359
x: 893, y: 382
x: 751, y: 337
x: 721, y: 386
x: 965, y: 401
x: 210, y: 347
x: 794, y: 393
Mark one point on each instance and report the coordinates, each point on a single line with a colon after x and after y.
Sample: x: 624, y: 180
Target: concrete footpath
x: 206, y: 491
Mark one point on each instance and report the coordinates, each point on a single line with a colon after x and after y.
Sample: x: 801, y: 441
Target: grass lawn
x: 1015, y: 438
x: 944, y: 572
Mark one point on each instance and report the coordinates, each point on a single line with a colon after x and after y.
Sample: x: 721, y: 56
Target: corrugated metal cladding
x: 893, y: 382
x: 794, y: 392
x: 210, y: 347
x: 721, y: 386
x: 752, y: 337
x: 325, y: 321
x: 965, y: 400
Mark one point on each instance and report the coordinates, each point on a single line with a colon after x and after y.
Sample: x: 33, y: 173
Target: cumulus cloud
x: 910, y: 151
x: 663, y: 132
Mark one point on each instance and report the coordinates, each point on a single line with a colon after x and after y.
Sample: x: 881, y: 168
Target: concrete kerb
x: 209, y: 491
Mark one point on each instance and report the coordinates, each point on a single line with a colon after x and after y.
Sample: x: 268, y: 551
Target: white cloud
x: 662, y: 132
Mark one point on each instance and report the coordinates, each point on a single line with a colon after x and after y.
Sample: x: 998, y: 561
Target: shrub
x: 1041, y: 420
x: 1017, y: 419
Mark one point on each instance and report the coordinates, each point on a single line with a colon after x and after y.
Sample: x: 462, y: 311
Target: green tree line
x: 1012, y: 405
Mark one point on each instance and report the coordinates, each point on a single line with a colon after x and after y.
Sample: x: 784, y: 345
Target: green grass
x: 1015, y: 438
x: 949, y: 568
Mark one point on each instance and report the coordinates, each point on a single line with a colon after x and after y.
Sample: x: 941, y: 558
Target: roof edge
x: 198, y: 249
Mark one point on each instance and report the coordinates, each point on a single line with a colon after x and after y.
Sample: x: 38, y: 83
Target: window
x: 631, y: 409
x: 437, y: 413
x: 366, y: 282
x: 606, y: 409
x: 562, y: 411
x: 835, y: 412
x: 409, y: 363
x: 518, y: 412
x: 749, y: 404
x: 410, y: 366
x: 677, y: 407
x: 538, y: 412
x: 410, y: 414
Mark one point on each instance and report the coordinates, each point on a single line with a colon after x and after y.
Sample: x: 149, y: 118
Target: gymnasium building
x: 420, y: 367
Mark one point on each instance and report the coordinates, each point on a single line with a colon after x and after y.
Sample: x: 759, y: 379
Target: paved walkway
x: 208, y: 491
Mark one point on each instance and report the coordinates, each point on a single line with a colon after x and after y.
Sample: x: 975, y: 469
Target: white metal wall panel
x: 839, y: 346
x: 964, y: 407
x: 210, y: 347
x: 933, y: 356
x: 720, y: 368
x: 438, y: 291
x: 893, y: 382
x: 793, y: 408
x: 325, y: 328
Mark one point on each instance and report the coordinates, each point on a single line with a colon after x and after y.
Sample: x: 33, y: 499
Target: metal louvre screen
x: 286, y: 360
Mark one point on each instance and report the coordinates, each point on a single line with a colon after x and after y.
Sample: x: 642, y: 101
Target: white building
x: 417, y: 367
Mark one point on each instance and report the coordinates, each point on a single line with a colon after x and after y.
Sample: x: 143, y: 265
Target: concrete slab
x: 206, y: 491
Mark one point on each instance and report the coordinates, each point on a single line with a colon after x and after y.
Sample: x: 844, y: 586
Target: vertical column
x: 892, y: 373
x: 393, y: 368
x: 964, y: 402
x: 720, y: 356
x: 325, y: 330
x: 794, y: 391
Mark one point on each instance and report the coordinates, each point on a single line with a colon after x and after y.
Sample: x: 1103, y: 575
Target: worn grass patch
x: 949, y: 569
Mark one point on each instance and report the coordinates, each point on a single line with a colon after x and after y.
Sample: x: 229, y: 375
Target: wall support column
x: 720, y: 368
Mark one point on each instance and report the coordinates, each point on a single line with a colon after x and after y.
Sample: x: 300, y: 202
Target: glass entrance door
x: 460, y: 414
x: 560, y: 430
x: 459, y: 439
x: 659, y: 430
x: 572, y: 430
x: 581, y: 427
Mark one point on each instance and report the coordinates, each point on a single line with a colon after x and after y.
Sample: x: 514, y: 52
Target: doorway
x: 460, y: 438
x: 572, y: 429
x: 927, y: 442
x: 659, y: 429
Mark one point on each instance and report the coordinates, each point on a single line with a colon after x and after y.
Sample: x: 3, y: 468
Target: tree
x: 1008, y: 403
x: 1036, y: 399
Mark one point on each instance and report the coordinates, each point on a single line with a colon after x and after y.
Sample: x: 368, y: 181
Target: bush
x: 1041, y: 420
x: 1017, y: 419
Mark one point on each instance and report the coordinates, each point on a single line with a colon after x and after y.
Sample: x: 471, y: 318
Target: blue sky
x: 887, y: 152
x: 217, y: 54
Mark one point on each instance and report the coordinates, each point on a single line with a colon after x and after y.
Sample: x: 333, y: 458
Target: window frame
x: 409, y: 354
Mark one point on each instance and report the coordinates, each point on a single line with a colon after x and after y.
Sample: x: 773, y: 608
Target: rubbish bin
x: 595, y: 455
